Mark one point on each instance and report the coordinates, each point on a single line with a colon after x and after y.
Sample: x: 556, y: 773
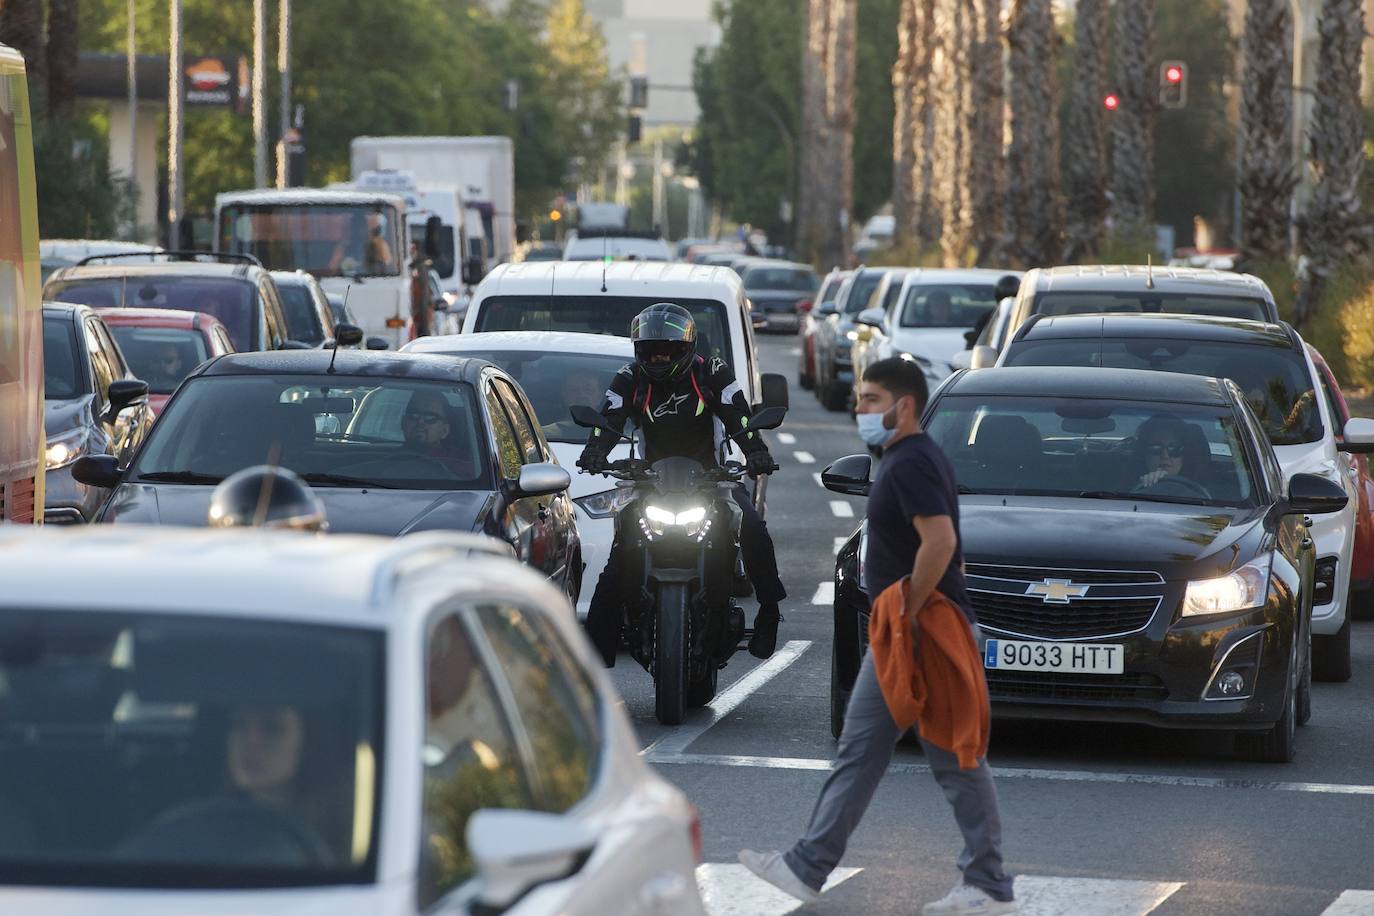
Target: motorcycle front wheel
x: 670, y: 654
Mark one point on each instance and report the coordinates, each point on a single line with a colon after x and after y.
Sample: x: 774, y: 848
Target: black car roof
x: 1165, y: 325
x: 349, y: 362
x: 1080, y: 382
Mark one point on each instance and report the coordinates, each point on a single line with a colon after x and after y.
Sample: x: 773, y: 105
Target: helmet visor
x: 662, y: 353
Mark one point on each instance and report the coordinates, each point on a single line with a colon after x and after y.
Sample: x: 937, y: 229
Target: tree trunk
x: 1133, y: 173
x: 828, y: 130
x: 1267, y: 178
x: 812, y: 189
x: 1087, y: 167
x: 1035, y: 201
x: 903, y: 131
x: 21, y: 27
x: 988, y: 185
x: 63, y: 22
x: 915, y: 208
x: 951, y: 82
x: 1332, y: 230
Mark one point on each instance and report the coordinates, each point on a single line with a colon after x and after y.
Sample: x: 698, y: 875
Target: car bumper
x: 781, y: 321
x: 1166, y: 682
x: 67, y: 502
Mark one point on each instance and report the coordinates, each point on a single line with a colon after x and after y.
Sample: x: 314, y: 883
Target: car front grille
x: 1099, y: 603
x: 1039, y: 685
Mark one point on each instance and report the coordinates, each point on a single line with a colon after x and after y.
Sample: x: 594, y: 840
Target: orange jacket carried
x: 943, y: 691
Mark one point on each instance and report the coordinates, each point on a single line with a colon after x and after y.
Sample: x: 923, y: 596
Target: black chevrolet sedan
x: 392, y: 443
x: 1133, y: 552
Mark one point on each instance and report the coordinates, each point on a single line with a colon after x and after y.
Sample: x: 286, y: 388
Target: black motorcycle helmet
x: 665, y: 339
x: 266, y: 497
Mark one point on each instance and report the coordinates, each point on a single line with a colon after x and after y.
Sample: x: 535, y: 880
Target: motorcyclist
x: 677, y: 398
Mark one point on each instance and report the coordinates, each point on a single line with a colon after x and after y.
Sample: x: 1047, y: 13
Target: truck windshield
x: 327, y: 240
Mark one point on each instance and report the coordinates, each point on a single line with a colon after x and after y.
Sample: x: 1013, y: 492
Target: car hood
x: 338, y: 901
x: 935, y: 344
x: 1177, y: 541
x: 349, y: 510
x: 62, y: 416
x: 584, y: 484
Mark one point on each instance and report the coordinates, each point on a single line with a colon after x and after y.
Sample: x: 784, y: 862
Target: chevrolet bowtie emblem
x: 1057, y: 591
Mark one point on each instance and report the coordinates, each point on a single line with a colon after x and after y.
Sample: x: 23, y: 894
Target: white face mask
x: 872, y: 430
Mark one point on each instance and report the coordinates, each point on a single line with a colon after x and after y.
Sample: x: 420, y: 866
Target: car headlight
x: 1239, y: 589
x: 64, y: 449
x: 693, y: 522
x: 851, y: 335
x: 604, y: 504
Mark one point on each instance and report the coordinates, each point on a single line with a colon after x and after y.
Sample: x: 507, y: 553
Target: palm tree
x: 1087, y: 167
x: 63, y: 21
x: 1266, y: 177
x: 988, y: 187
x: 1133, y: 173
x: 1332, y: 230
x: 955, y: 30
x: 21, y: 27
x: 828, y: 130
x: 912, y: 203
x: 1034, y: 199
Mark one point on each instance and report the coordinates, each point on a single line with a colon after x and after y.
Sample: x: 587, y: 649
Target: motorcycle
x: 679, y: 541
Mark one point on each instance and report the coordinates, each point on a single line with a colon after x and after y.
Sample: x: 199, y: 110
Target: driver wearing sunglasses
x: 1162, y: 445
x: 427, y: 428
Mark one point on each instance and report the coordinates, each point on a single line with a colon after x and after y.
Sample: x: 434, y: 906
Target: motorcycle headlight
x: 64, y: 449
x: 693, y: 522
x: 1239, y: 589
x: 604, y: 504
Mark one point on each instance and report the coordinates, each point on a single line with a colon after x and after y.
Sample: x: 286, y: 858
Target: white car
x: 927, y: 319
x: 249, y: 721
x: 557, y: 370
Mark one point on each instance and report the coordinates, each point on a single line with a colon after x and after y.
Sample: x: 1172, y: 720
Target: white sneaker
x: 771, y: 868
x: 965, y: 898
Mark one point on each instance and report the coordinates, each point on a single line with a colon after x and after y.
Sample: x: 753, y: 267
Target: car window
x: 554, y: 382
x: 858, y: 291
x: 508, y: 451
x: 302, y: 320
x: 520, y: 420
x: 118, y: 365
x: 231, y: 301
x: 1090, y: 302
x: 469, y: 757
x: 780, y: 278
x: 1334, y: 403
x: 1272, y: 376
x: 947, y: 305
x: 100, y: 361
x: 63, y: 376
x: 1269, y: 463
x: 557, y: 708
x: 894, y: 289
x: 162, y: 357
x: 277, y: 330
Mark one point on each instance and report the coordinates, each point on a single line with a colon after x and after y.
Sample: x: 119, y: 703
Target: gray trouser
x: 865, y: 749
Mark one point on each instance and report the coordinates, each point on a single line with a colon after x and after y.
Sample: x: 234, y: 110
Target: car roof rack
x: 175, y: 255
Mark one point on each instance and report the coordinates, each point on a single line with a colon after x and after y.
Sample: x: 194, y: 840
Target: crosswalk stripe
x: 1352, y: 903
x: 732, y: 890
x: 787, y: 439
x: 804, y: 457
x: 1046, y: 896
x: 825, y: 593
x: 841, y: 508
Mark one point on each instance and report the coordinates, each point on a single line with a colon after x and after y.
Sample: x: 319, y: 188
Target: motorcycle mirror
x: 588, y: 418
x: 768, y: 418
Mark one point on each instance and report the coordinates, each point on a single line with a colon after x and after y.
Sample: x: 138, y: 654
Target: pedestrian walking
x: 913, y: 531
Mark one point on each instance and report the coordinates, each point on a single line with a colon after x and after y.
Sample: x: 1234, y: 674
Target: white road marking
x: 1352, y: 903
x: 817, y: 477
x: 1144, y: 779
x: 1045, y: 896
x: 841, y: 508
x: 677, y: 741
x: 840, y: 542
x: 787, y: 439
x: 733, y: 890
x: 825, y: 593
x: 804, y: 457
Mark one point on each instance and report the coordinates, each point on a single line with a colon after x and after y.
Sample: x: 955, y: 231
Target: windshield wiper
x: 180, y: 477
x: 965, y: 490
x: 1139, y: 497
x: 343, y: 480
x: 1104, y: 494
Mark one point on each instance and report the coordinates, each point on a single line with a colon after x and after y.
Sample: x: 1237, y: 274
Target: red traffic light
x: 1173, y: 74
x: 1111, y: 102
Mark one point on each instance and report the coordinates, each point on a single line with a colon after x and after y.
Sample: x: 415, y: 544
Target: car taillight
x: 804, y: 306
x: 696, y: 834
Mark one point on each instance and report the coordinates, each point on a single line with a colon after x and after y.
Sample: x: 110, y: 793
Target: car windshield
x: 1274, y: 377
x: 792, y: 279
x: 947, y: 305
x: 327, y: 240
x: 62, y: 376
x: 233, y: 302
x: 1084, y: 303
x: 544, y: 253
x: 555, y: 382
x: 302, y: 321
x: 831, y: 290
x: 189, y: 751
x: 162, y: 357
x: 333, y: 431
x: 1040, y: 446
x: 602, y: 315
x: 860, y: 288
x: 618, y: 248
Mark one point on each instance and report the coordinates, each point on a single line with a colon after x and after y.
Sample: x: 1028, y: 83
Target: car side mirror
x: 850, y: 475
x: 1007, y: 287
x: 378, y: 343
x: 99, y: 471
x: 472, y: 271
x: 774, y: 389
x: 124, y: 392
x: 347, y: 335
x: 543, y: 479
x: 873, y: 318
x: 983, y: 357
x: 1310, y: 494
x: 516, y: 851
x: 1358, y: 436
x: 294, y: 345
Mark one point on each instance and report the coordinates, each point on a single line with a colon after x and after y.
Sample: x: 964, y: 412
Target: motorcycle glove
x: 593, y: 462
x: 759, y: 462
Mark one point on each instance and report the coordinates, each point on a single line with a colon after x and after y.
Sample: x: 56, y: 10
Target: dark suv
x: 1133, y: 552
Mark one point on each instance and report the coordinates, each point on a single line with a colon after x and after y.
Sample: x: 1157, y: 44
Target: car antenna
x: 1149, y: 271
x: 604, y: 258
x: 335, y: 355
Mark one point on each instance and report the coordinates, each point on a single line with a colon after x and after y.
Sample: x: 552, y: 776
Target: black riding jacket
x: 677, y: 416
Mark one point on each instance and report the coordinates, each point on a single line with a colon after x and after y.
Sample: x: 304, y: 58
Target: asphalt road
x: 1097, y: 820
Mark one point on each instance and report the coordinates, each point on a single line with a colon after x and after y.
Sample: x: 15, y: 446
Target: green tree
x: 874, y: 105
